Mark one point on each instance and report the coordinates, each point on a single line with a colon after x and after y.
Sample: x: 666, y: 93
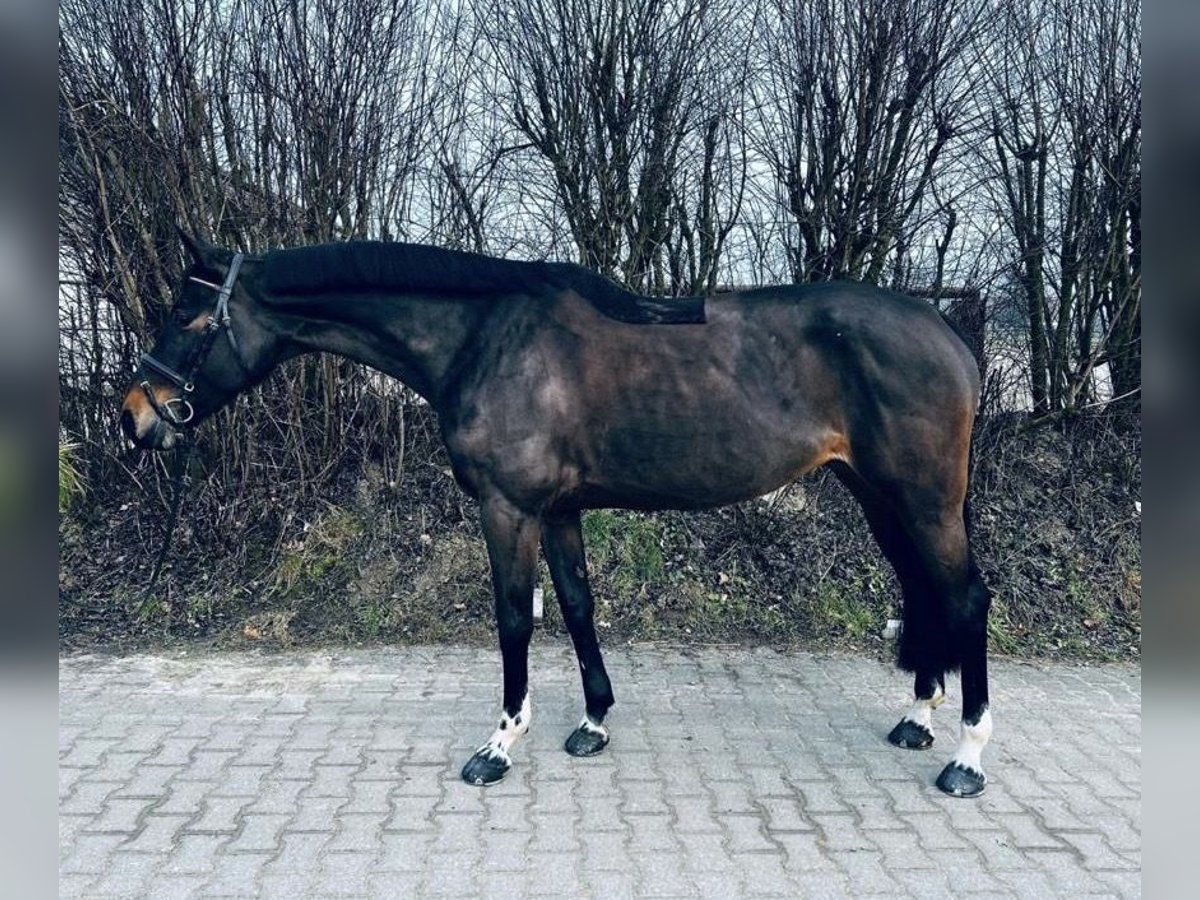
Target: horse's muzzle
x: 143, y: 425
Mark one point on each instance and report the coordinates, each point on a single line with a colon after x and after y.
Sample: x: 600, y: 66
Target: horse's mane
x: 417, y: 268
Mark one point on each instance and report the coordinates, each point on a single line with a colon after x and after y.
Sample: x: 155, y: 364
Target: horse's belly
x: 645, y: 468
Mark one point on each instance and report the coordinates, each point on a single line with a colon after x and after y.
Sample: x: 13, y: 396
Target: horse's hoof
x: 487, y: 766
x: 911, y: 735
x: 958, y: 780
x: 587, y: 740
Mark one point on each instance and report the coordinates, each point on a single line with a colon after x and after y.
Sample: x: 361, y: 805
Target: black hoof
x: 911, y: 735
x: 485, y: 767
x: 586, y: 741
x: 959, y: 781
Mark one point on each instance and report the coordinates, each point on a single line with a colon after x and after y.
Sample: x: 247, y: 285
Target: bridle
x: 218, y: 321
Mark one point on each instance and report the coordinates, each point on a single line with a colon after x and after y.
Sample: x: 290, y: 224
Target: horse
x: 557, y: 391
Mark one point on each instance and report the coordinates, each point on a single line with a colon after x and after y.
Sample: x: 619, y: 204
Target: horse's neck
x: 414, y: 339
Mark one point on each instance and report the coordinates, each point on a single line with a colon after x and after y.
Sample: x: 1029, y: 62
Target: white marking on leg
x: 972, y: 740
x: 507, y: 732
x: 593, y: 727
x: 921, y: 712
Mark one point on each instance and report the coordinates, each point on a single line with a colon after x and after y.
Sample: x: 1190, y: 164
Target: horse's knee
x: 515, y: 625
x: 578, y: 613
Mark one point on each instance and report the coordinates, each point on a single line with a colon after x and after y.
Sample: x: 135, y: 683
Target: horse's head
x: 214, y: 345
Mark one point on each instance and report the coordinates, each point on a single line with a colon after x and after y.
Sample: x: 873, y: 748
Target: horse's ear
x: 200, y: 251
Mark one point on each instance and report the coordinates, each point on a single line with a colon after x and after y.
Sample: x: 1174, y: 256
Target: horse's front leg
x: 562, y: 542
x: 512, y: 542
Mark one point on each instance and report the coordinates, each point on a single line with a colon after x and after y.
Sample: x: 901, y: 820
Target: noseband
x: 218, y: 321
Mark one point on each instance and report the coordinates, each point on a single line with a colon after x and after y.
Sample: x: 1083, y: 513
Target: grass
x: 71, y: 484
x: 314, y: 555
x: 626, y: 547
x: 835, y: 608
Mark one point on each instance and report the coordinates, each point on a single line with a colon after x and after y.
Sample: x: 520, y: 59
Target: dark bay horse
x: 557, y: 392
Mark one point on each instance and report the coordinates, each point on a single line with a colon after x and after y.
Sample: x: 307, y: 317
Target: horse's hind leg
x: 512, y: 542
x: 919, y: 521
x: 923, y: 631
x: 562, y: 543
x: 941, y: 540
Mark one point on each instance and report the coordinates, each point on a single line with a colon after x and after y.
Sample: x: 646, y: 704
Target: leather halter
x: 218, y: 320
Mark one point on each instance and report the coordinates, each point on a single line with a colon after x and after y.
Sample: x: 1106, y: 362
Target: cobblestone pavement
x: 730, y: 773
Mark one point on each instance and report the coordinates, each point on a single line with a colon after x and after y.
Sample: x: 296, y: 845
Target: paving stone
x: 404, y: 851
x: 901, y: 850
x: 864, y: 872
x: 407, y: 884
x: 300, y: 851
x: 1000, y: 852
x: 344, y: 874
x: 732, y: 773
x: 242, y: 781
x: 277, y: 798
x: 450, y: 875
x: 934, y: 832
x: 185, y: 797
x: 706, y: 853
x: 177, y: 887
x: 928, y: 884
x: 236, y: 875
x: 653, y: 833
x: 75, y: 885
x: 260, y: 833
x: 784, y: 814
x: 207, y: 765
x: 88, y: 752
x: 358, y: 833
x: 220, y: 815
x: 1123, y: 884
x: 120, y: 816
x: 285, y: 885
x: 160, y: 834
x: 554, y: 874
x: 90, y: 854
x: 554, y: 833
x: 603, y: 851
x: 88, y: 798
x: 195, y: 853
x: 804, y: 852
x: 1095, y: 852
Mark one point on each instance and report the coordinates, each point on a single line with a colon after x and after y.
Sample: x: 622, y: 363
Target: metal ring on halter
x: 165, y: 410
x: 191, y: 413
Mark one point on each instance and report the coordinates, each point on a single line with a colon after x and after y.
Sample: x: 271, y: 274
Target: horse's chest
x: 514, y: 448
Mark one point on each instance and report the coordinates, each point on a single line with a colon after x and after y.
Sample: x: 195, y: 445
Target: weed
x: 625, y: 547
x: 599, y: 535
x: 71, y: 484
x: 374, y: 615
x: 838, y: 608
x: 1002, y: 634
x: 317, y: 552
